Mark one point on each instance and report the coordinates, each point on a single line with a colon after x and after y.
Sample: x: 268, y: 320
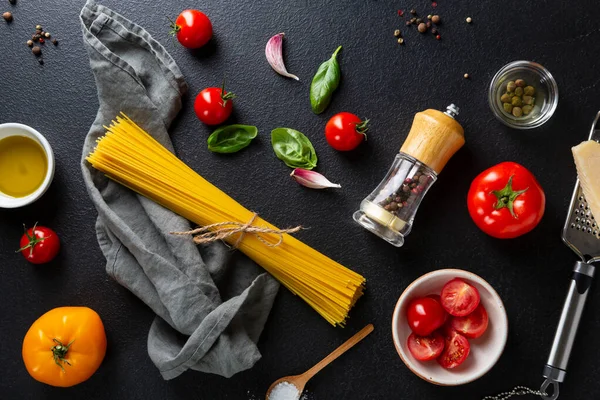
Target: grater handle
x: 556, y: 367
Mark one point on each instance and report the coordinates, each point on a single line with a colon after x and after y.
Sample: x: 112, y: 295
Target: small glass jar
x: 390, y: 209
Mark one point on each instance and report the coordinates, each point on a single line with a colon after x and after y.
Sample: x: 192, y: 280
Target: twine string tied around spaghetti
x: 224, y: 230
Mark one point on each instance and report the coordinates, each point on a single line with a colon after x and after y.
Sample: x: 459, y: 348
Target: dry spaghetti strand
x: 130, y: 156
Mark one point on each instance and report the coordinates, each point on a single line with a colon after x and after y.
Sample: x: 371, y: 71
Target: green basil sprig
x: 324, y: 83
x: 293, y: 148
x: 231, y: 138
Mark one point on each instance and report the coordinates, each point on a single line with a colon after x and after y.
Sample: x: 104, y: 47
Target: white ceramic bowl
x: 485, y: 350
x: 13, y: 129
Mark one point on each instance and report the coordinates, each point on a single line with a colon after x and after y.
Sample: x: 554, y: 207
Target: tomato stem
x: 174, y: 27
x: 59, y: 351
x: 225, y: 97
x: 33, y: 240
x: 507, y: 196
x: 362, y: 128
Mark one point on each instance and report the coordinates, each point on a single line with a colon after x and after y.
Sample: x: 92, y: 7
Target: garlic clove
x: 312, y: 179
x: 274, y: 53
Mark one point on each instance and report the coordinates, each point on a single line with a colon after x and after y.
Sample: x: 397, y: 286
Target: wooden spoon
x: 300, y: 380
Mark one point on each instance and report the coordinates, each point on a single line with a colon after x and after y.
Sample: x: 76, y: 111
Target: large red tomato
x: 506, y: 201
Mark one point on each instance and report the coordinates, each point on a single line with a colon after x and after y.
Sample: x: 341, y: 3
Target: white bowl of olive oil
x: 26, y: 165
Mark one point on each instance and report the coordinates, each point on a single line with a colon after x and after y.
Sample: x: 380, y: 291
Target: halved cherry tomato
x: 425, y: 348
x: 459, y: 298
x: 425, y: 315
x: 193, y: 29
x: 345, y: 131
x: 456, y: 349
x: 213, y: 105
x: 473, y: 325
x: 39, y: 244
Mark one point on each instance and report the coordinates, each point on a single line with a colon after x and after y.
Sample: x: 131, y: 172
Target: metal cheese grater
x: 581, y: 233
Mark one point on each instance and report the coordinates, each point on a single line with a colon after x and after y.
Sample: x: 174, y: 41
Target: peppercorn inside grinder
x: 390, y: 209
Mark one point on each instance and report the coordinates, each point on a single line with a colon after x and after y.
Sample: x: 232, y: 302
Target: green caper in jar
x: 520, y: 83
x: 517, y: 111
x: 516, y: 101
x: 505, y: 98
x: 511, y: 86
x: 529, y: 90
x: 527, y: 110
x: 519, y: 91
x: 507, y: 107
x: 528, y: 100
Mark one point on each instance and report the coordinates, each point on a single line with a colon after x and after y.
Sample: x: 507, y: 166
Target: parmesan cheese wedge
x: 587, y: 161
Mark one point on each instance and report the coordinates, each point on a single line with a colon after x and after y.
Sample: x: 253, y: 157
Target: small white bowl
x: 485, y: 350
x: 13, y: 129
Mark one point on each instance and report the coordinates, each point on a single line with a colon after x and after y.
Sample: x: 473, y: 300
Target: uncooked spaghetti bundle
x: 130, y: 156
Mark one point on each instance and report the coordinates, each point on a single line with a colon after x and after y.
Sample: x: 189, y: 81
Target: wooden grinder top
x: 433, y: 138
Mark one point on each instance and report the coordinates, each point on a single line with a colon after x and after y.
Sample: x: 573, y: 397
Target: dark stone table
x: 383, y: 81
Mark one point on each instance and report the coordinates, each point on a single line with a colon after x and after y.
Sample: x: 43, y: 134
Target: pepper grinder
x: 390, y: 209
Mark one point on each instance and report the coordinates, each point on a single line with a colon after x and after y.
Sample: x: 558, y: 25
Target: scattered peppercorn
x: 413, y: 11
x: 436, y: 19
x: 469, y: 20
x: 429, y: 16
x: 47, y: 34
x: 38, y: 27
x: 428, y: 24
x: 8, y: 17
x: 400, y: 13
x: 434, y: 4
x: 413, y: 20
x: 408, y: 23
x: 13, y: 2
x: 438, y: 37
x: 434, y: 31
x: 397, y: 32
x: 466, y: 76
x: 55, y: 42
x: 36, y: 50
x: 400, y: 41
x: 422, y: 27
x: 30, y: 43
x: 38, y: 32
x: 42, y: 40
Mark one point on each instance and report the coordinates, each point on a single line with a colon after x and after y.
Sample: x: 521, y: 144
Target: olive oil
x: 23, y: 166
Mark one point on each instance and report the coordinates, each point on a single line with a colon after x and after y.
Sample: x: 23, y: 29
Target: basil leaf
x: 293, y: 148
x: 324, y: 83
x: 231, y: 138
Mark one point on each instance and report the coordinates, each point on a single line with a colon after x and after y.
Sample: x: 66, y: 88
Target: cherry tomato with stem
x: 39, y: 244
x: 506, y: 201
x: 214, y: 105
x: 425, y: 348
x: 192, y: 28
x: 459, y: 298
x: 345, y: 131
x: 425, y: 315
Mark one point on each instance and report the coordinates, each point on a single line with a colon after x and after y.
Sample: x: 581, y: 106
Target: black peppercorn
x: 55, y: 42
x: 393, y: 206
x: 413, y: 11
x: 434, y: 31
x: 8, y: 17
x: 36, y: 50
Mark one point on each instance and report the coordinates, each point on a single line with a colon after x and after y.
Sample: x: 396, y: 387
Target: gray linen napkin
x: 211, y: 303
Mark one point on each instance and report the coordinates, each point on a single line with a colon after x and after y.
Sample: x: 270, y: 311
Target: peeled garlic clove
x: 274, y: 53
x: 312, y: 179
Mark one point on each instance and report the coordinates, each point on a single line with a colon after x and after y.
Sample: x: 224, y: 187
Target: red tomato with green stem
x: 425, y: 315
x: 345, y: 131
x: 506, y: 201
x: 39, y: 244
x: 192, y: 28
x: 214, y: 105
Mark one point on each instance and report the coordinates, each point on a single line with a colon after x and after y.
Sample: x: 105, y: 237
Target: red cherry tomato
x: 506, y: 201
x: 193, y: 29
x: 459, y: 298
x: 437, y: 298
x: 473, y: 325
x: 456, y: 349
x: 213, y: 105
x: 345, y: 131
x: 425, y: 348
x: 39, y: 244
x: 425, y: 315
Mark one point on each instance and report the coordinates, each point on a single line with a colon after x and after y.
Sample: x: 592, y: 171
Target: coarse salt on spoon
x: 291, y: 387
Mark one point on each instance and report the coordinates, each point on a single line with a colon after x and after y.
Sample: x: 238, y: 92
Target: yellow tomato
x: 65, y: 346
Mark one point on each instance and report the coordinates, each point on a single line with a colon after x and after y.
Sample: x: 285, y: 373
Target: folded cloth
x: 211, y: 303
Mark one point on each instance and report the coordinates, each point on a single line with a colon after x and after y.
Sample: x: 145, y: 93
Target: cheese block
x: 587, y: 161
